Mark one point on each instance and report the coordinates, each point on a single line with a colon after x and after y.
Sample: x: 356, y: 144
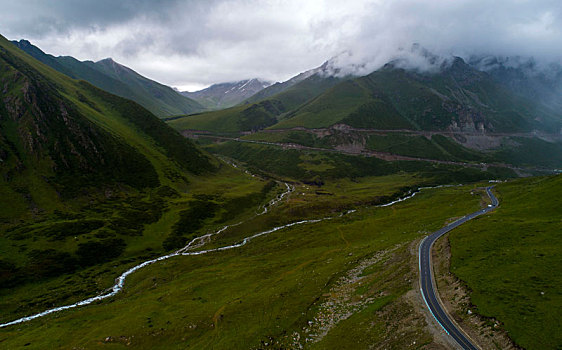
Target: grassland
x: 317, y: 166
x: 87, y: 141
x: 74, y: 254
x: 437, y: 147
x: 326, y: 110
x: 96, y: 184
x: 273, y: 290
x: 531, y: 152
x: 110, y: 76
x: 511, y: 261
x: 338, y: 283
x: 216, y: 121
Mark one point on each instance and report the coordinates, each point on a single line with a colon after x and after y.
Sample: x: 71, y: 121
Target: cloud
x: 196, y: 43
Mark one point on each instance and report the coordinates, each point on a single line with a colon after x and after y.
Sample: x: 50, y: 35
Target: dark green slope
x: 92, y: 184
x: 61, y: 137
x: 261, y: 114
x: 119, y: 80
x: 280, y: 87
x: 458, y: 98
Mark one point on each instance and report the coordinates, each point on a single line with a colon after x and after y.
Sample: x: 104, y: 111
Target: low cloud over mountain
x: 194, y: 44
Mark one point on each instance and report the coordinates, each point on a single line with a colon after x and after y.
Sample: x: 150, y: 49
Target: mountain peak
x: 23, y: 42
x: 107, y: 60
x: 223, y: 95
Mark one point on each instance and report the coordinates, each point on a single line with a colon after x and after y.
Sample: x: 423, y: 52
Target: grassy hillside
x: 231, y: 120
x: 480, y: 119
x: 260, y: 114
x: 280, y: 87
x: 73, y: 134
x: 392, y: 98
x: 110, y: 76
x: 530, y: 152
x: 279, y: 290
x: 458, y: 98
x: 94, y: 184
x: 317, y: 167
x: 91, y: 181
x: 511, y: 261
x: 324, y: 110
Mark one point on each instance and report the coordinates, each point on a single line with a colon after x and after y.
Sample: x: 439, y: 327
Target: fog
x: 192, y: 44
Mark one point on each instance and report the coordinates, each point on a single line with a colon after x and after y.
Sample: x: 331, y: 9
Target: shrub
x: 91, y: 253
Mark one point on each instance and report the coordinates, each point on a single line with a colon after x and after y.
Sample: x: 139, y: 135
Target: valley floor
x: 320, y: 284
x: 327, y: 267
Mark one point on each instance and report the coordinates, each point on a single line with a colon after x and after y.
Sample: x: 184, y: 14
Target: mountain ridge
x: 66, y: 136
x: 228, y: 94
x: 120, y: 80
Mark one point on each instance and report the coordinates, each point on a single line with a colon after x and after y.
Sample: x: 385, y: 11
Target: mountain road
x: 427, y: 284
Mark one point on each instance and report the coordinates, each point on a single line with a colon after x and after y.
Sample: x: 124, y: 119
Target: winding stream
x: 198, y: 242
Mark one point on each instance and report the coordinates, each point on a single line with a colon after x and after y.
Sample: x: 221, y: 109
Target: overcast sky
x: 191, y: 44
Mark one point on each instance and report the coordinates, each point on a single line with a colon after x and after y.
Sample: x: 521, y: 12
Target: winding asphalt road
x: 426, y: 277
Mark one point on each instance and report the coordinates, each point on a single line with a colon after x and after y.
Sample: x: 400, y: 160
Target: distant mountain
x: 119, y: 80
x: 451, y: 111
x: 61, y: 138
x: 224, y: 95
x: 282, y: 86
x: 458, y: 97
x: 266, y: 107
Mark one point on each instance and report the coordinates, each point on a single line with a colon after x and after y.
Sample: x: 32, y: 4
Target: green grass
x: 56, y: 249
x: 316, y: 166
x: 413, y: 146
x: 139, y: 224
x: 159, y: 99
x: 457, y: 151
x: 511, y: 261
x: 530, y: 151
x: 327, y: 110
x: 264, y: 291
x: 93, y: 179
x: 223, y: 121
x: 87, y: 142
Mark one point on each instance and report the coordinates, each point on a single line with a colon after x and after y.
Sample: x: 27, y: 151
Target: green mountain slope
x: 456, y: 114
x: 92, y: 183
x: 261, y: 114
x: 119, y: 80
x: 63, y: 135
x: 279, y: 87
x: 525, y: 77
x: 457, y: 98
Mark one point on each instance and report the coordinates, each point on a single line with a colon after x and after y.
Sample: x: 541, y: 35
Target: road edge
x: 434, y: 284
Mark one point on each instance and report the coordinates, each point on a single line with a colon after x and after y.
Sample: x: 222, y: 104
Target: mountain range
x: 265, y: 107
x: 290, y: 221
x: 224, y: 95
x: 117, y: 79
x: 494, y: 111
x: 459, y: 97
